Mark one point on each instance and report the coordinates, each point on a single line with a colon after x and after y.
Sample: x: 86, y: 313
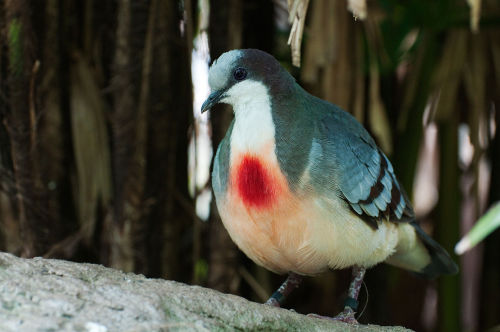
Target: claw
x: 273, y: 303
x: 351, y: 303
x: 346, y: 316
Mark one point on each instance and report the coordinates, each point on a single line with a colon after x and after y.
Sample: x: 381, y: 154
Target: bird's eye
x: 240, y: 74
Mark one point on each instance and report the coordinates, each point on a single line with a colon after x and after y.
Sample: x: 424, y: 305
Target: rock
x: 54, y: 295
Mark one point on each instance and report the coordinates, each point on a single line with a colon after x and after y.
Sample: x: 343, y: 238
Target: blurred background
x: 105, y: 158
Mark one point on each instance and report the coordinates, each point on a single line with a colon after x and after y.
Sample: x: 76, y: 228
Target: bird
x: 302, y: 187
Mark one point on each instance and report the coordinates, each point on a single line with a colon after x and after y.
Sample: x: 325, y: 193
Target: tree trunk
x: 169, y: 207
x: 225, y: 33
x: 129, y: 136
x: 20, y: 123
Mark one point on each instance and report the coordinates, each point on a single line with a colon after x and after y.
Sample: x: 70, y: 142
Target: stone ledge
x: 54, y: 295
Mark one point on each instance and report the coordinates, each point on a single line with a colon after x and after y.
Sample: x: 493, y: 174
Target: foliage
x: 488, y: 223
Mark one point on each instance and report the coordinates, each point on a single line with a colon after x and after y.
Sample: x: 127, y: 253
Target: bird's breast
x: 261, y: 213
x: 255, y: 182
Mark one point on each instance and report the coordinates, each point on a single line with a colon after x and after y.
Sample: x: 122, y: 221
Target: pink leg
x: 351, y: 303
x: 292, y: 281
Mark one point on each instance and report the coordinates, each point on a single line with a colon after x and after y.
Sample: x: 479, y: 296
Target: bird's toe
x: 346, y: 316
x: 272, y: 302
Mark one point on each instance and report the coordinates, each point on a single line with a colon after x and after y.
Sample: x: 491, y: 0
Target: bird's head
x: 238, y: 76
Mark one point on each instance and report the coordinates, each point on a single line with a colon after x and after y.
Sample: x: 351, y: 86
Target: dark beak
x: 212, y: 100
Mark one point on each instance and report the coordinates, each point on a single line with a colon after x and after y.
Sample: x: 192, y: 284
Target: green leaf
x: 15, y: 47
x: 485, y: 225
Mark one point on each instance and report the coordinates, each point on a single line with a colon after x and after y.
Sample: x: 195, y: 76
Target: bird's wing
x: 363, y: 175
x: 220, y: 172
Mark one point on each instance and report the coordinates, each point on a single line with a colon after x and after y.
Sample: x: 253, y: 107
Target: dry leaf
x: 475, y: 13
x: 90, y: 145
x: 298, y: 11
x: 448, y: 75
x: 321, y: 36
x: 358, y: 8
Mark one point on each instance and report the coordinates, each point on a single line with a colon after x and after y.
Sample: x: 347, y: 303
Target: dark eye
x: 240, y: 74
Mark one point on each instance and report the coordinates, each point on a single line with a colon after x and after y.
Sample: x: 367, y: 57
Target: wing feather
x: 364, y: 176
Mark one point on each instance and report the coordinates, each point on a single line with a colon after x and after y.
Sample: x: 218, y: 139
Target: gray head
x: 236, y: 75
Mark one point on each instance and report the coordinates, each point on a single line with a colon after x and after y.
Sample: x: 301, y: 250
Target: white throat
x: 253, y: 125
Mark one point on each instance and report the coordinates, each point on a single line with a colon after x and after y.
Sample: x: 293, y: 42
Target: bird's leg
x: 351, y: 303
x: 292, y: 281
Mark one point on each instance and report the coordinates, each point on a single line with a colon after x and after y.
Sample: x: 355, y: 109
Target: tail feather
x: 441, y: 262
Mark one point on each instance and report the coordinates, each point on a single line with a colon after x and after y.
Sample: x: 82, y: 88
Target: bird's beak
x: 213, y: 99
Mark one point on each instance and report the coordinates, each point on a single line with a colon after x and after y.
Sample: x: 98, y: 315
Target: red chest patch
x: 254, y: 183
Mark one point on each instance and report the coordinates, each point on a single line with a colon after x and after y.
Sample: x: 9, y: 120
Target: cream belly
x: 304, y: 240
x: 302, y: 232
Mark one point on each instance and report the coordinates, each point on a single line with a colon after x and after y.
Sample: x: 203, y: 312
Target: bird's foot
x: 273, y: 303
x: 346, y: 316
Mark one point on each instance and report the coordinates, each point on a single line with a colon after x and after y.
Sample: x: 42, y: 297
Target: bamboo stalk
x: 447, y: 229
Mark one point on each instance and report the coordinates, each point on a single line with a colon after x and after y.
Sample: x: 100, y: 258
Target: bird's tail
x: 418, y: 252
x: 441, y: 262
